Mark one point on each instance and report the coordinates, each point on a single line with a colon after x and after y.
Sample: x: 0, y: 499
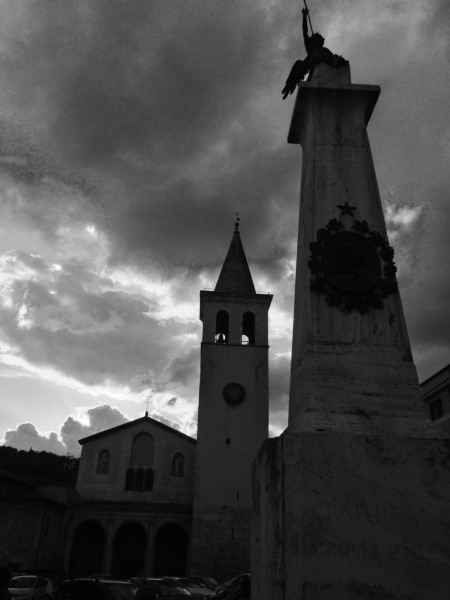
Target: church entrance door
x: 129, y: 551
x: 87, y: 549
x: 170, y: 551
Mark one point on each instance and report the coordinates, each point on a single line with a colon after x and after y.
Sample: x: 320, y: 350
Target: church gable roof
x: 129, y: 424
x: 235, y: 276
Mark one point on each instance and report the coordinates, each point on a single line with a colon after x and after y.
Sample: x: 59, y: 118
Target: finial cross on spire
x: 147, y: 402
x: 236, y: 225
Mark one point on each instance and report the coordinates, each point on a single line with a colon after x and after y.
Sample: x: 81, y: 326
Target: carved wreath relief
x: 353, y: 266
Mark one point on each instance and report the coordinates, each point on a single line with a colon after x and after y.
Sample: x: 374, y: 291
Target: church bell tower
x: 232, y: 415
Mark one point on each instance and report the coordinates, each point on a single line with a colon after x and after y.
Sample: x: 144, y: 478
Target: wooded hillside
x: 41, y: 467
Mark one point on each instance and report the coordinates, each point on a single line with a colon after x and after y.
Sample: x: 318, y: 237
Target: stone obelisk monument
x: 352, y: 501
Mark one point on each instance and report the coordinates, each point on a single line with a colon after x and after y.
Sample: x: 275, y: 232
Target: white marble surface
x: 324, y: 73
x: 351, y: 372
x: 349, y: 517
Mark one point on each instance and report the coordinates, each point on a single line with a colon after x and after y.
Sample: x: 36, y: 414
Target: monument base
x: 346, y: 517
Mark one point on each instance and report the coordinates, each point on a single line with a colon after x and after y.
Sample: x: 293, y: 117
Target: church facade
x: 153, y: 501
x: 134, y: 513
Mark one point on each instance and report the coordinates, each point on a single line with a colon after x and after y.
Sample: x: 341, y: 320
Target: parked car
x: 90, y: 588
x: 237, y: 588
x: 160, y: 588
x: 28, y: 587
x: 197, y: 591
x: 207, y: 582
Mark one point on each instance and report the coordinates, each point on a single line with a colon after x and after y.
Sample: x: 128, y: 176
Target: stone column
x: 351, y: 371
x: 68, y: 543
x: 150, y: 549
x: 109, y: 541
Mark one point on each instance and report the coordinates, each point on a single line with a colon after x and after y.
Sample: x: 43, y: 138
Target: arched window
x: 178, y: 465
x: 148, y: 481
x: 139, y: 476
x: 139, y: 480
x: 248, y: 328
x: 103, y: 460
x: 222, y: 327
x: 129, y: 479
x: 142, y: 450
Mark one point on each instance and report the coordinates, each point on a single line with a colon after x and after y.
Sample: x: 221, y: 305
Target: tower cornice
x: 233, y: 298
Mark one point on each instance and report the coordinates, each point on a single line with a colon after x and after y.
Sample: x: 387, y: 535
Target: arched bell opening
x: 248, y: 328
x: 222, y: 327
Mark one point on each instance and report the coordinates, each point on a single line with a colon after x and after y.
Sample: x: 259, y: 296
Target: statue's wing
x: 296, y: 75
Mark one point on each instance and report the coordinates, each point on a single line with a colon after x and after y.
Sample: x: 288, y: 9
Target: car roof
x: 101, y: 580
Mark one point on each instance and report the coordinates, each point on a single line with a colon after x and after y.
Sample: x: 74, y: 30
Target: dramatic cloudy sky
x: 131, y: 131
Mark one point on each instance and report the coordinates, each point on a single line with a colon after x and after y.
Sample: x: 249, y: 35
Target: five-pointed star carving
x: 346, y: 209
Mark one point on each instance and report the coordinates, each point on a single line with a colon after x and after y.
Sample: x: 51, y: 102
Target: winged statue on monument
x: 316, y: 54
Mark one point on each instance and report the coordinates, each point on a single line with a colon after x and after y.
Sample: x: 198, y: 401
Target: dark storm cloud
x: 142, y: 92
x: 146, y: 77
x: 182, y: 226
x: 184, y: 368
x: 428, y: 296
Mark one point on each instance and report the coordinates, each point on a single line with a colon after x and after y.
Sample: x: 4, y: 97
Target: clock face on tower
x: 233, y: 393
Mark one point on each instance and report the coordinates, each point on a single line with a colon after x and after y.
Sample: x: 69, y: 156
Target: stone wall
x: 221, y: 544
x: 20, y: 532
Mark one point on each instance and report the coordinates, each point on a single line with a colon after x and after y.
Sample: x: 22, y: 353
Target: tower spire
x: 235, y: 276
